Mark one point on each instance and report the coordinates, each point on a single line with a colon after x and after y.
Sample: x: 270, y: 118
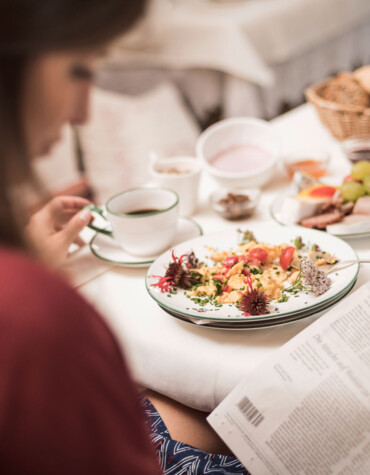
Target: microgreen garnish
x: 298, y: 243
x: 245, y: 236
x: 256, y: 270
x: 283, y: 298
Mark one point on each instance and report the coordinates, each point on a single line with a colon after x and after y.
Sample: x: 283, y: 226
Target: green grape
x: 360, y: 170
x: 352, y: 191
x: 366, y: 184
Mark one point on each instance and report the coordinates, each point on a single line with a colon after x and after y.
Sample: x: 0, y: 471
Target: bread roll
x: 345, y: 89
x: 363, y: 77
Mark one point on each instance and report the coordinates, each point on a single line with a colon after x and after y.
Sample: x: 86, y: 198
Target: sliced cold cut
x: 322, y: 220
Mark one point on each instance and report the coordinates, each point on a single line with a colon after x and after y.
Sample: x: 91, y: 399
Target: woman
x: 67, y: 404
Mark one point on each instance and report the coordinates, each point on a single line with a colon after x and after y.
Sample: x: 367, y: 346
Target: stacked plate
x: 229, y: 317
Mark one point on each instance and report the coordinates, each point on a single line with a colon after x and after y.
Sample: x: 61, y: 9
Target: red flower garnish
x: 164, y: 283
x: 253, y: 302
x: 180, y: 273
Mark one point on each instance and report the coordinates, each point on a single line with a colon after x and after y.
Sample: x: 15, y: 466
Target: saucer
x: 108, y: 250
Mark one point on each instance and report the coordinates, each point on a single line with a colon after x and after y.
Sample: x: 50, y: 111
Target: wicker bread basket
x: 343, y: 121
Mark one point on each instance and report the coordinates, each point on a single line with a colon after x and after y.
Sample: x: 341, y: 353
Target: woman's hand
x: 56, y: 226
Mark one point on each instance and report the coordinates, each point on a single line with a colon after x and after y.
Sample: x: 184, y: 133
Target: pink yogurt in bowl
x: 239, y: 152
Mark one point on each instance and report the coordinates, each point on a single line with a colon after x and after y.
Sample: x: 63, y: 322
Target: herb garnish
x: 298, y: 243
x: 246, y: 236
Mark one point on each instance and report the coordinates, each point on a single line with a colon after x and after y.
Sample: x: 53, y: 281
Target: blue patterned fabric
x: 177, y: 458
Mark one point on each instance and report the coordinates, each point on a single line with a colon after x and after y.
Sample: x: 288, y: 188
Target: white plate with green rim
x: 108, y: 250
x: 246, y: 325
x: 306, y: 304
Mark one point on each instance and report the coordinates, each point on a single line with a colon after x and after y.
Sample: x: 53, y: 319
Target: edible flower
x: 253, y: 302
x: 179, y: 273
x: 313, y: 278
x: 310, y: 278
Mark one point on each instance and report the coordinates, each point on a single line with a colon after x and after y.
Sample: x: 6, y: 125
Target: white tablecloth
x: 251, y: 57
x: 241, y: 37
x: 199, y: 366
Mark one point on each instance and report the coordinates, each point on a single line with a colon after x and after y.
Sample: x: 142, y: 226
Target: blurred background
x: 190, y: 63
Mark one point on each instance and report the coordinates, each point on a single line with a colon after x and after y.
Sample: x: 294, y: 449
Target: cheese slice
x: 293, y: 210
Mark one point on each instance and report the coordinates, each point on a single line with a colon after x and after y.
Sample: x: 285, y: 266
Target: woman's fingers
x: 79, y: 241
x: 62, y: 208
x: 56, y: 226
x: 75, y: 225
x: 73, y: 202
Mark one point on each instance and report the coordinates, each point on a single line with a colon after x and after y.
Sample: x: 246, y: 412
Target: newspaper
x: 306, y: 410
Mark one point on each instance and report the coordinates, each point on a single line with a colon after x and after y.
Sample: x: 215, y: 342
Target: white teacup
x: 143, y: 220
x: 182, y: 175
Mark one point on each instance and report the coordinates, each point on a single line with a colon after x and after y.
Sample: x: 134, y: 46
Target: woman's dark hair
x: 29, y: 28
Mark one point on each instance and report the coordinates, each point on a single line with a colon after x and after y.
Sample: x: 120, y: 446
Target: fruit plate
x: 345, y: 231
x: 308, y: 304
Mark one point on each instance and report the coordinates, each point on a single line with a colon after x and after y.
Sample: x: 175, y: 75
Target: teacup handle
x: 96, y: 209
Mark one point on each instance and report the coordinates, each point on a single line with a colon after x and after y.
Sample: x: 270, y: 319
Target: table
x: 199, y: 366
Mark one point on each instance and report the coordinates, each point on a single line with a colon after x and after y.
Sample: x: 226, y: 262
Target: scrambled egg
x: 268, y: 268
x: 227, y: 280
